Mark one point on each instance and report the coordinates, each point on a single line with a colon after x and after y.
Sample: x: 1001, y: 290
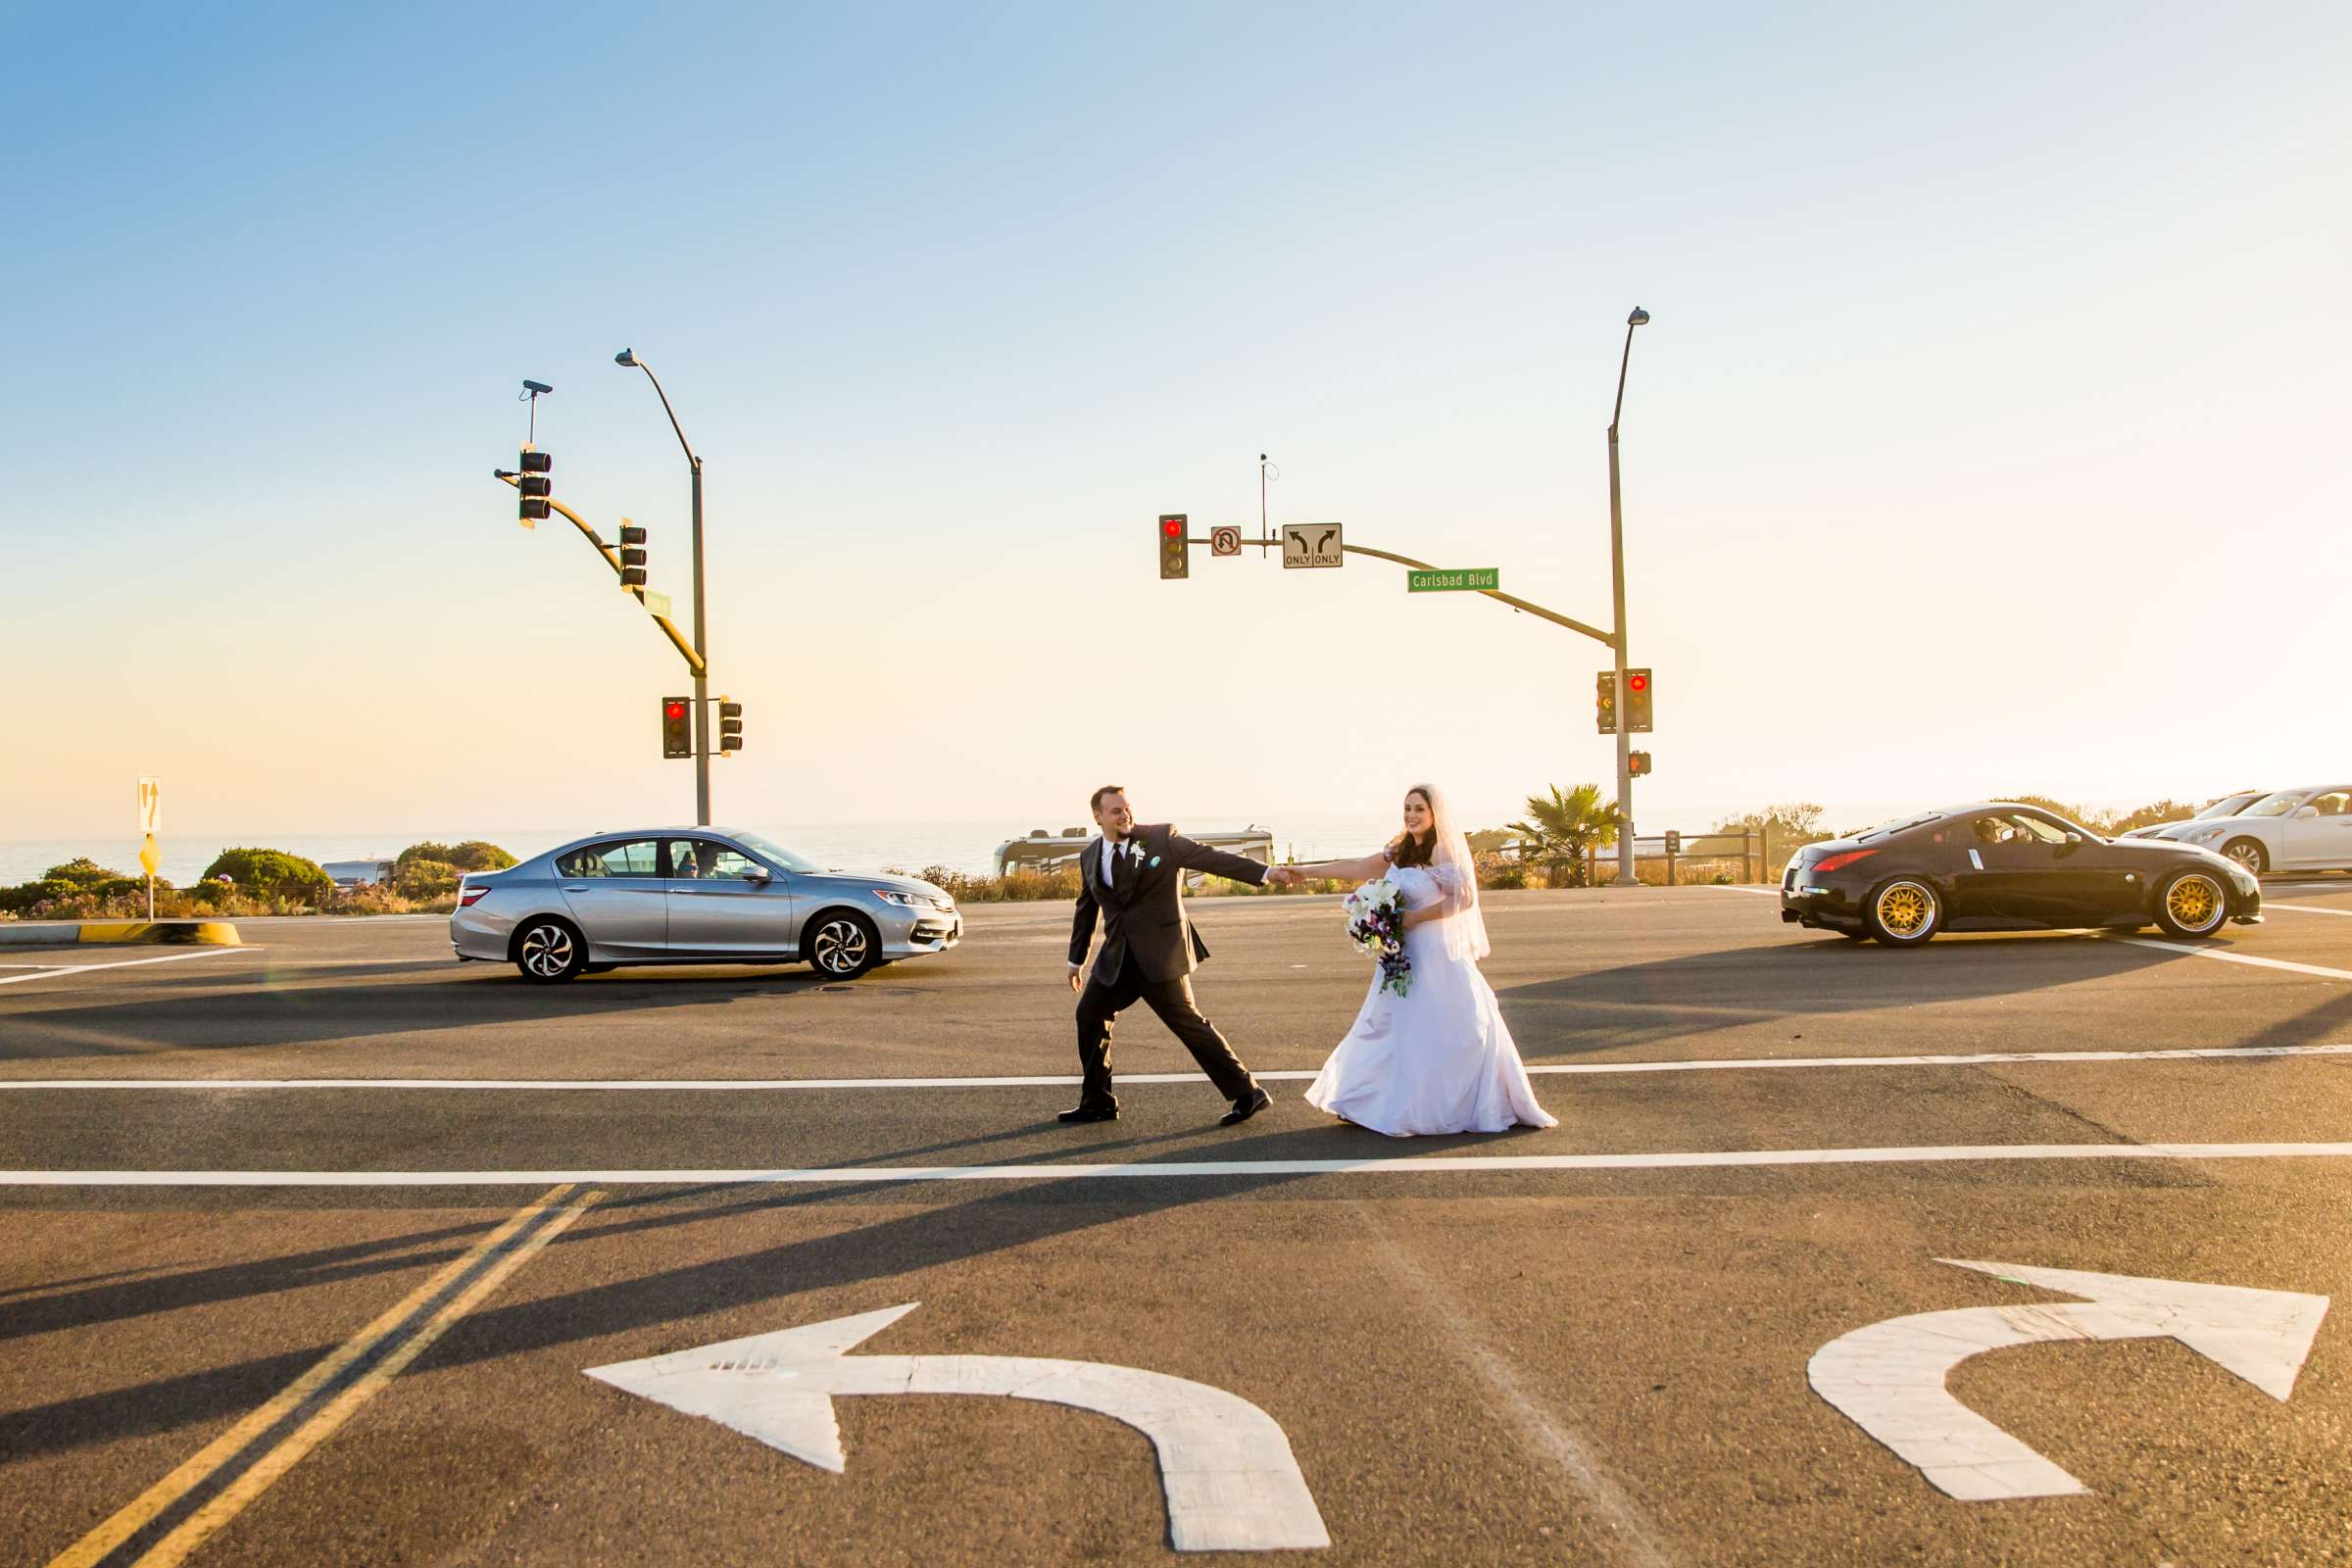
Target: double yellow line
x: 182, y: 1511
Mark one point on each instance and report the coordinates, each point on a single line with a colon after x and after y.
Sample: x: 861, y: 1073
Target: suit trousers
x: 1099, y: 1005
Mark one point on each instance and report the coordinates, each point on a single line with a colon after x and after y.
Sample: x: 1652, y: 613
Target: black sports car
x: 2000, y: 866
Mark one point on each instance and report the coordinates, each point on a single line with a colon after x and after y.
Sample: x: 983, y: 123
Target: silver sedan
x: 693, y: 895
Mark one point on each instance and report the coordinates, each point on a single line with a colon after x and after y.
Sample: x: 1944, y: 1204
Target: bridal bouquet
x: 1376, y: 925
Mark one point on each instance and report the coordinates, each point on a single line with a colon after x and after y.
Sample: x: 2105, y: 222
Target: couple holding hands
x: 1437, y: 1060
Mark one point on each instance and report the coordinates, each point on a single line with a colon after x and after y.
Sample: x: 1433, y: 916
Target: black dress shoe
x: 1079, y: 1113
x: 1248, y: 1106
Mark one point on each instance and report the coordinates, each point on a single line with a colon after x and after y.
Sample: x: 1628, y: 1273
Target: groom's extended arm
x: 1216, y: 863
x: 1082, y: 927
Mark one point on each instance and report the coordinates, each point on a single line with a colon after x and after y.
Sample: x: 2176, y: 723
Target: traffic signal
x: 1636, y: 701
x: 632, y: 556
x: 1638, y: 763
x: 534, y: 484
x: 1175, y: 548
x: 730, y: 726
x: 677, y: 726
x: 1604, y: 701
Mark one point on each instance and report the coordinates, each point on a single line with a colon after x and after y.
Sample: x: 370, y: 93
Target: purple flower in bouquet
x: 1376, y: 925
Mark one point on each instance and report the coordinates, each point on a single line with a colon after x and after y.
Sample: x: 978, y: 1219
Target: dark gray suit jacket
x: 1143, y: 907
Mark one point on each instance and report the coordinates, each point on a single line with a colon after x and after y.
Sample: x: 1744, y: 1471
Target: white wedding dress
x: 1437, y: 1060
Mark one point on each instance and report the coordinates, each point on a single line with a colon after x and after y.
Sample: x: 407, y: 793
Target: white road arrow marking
x: 1231, y: 1482
x: 1889, y: 1377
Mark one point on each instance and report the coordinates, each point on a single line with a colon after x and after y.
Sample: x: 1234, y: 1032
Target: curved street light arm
x: 1622, y: 360
x: 673, y: 413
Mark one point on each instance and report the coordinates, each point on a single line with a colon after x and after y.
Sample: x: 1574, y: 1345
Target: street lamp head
x: 1640, y: 317
x: 536, y: 387
x: 625, y: 357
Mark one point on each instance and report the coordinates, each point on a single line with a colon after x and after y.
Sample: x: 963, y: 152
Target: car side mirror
x: 757, y: 874
x: 2074, y: 838
x: 2309, y: 811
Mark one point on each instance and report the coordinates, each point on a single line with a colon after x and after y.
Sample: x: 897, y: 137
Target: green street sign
x: 1467, y: 579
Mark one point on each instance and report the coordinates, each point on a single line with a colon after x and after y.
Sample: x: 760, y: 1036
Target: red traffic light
x: 1171, y: 529
x: 673, y: 710
x: 1636, y: 682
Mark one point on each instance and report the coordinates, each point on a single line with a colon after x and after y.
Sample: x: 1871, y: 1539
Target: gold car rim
x: 2195, y: 903
x: 1906, y: 908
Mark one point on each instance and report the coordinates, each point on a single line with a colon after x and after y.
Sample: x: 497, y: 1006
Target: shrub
x: 272, y: 873
x: 84, y: 872
x: 426, y: 851
x: 479, y: 855
x: 424, y: 879
x: 1020, y: 886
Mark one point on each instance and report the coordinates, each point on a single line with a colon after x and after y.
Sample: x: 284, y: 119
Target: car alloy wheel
x: 2249, y: 854
x: 845, y: 946
x: 548, y: 953
x: 2193, y: 905
x: 1904, y: 914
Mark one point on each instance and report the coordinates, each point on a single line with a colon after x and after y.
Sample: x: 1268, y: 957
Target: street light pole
x: 702, y: 645
x: 1625, y: 744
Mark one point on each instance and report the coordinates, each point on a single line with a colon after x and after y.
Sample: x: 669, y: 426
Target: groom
x: 1135, y: 877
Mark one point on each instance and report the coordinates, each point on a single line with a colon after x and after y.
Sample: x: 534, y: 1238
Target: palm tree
x: 1562, y: 826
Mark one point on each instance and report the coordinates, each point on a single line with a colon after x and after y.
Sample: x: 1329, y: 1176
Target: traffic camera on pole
x: 632, y: 558
x: 677, y: 726
x: 1636, y: 701
x: 1175, y: 549
x: 532, y: 481
x: 730, y: 726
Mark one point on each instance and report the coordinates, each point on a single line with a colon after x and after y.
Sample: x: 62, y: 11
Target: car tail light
x: 1832, y: 863
x: 469, y: 894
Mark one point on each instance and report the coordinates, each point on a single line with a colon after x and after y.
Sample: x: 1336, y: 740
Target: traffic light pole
x: 1625, y: 740
x: 702, y: 647
x: 701, y: 642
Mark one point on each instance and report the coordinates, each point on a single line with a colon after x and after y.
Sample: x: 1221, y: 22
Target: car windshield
x: 2227, y: 806
x: 2278, y: 805
x: 777, y: 854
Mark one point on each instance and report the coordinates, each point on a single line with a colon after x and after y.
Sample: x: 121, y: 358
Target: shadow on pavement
x: 1000, y: 1220
x: 262, y: 1016
x: 1676, y: 997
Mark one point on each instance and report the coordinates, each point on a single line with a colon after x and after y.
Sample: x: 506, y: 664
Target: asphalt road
x: 1593, y: 1347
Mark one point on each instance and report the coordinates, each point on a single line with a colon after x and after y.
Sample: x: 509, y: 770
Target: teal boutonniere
x: 1155, y: 859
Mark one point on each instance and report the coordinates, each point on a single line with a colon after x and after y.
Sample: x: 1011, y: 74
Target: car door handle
x: 575, y: 887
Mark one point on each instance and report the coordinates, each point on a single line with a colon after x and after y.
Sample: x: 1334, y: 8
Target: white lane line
x: 119, y: 964
x: 2302, y: 908
x: 1726, y: 887
x: 1545, y: 1429
x: 1983, y: 1059
x: 2238, y: 957
x: 1425, y: 1166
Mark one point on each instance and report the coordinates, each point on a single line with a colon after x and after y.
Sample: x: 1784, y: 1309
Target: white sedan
x: 2307, y: 829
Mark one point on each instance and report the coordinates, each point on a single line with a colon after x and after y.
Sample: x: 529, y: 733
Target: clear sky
x: 1990, y: 434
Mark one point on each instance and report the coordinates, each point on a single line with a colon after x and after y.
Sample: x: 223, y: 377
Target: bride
x: 1439, y: 1058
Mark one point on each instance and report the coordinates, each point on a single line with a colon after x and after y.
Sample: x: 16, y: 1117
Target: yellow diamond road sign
x: 148, y: 858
